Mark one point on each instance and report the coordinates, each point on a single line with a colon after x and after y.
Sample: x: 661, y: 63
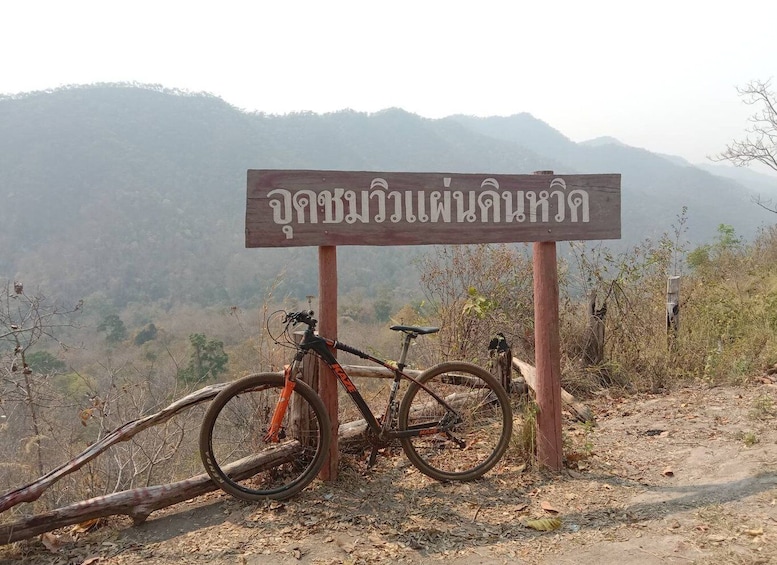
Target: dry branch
x: 578, y: 409
x: 34, y: 490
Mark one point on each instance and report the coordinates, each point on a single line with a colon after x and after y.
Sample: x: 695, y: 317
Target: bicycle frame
x: 322, y: 347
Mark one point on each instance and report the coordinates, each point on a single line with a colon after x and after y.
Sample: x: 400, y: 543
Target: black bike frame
x: 322, y: 347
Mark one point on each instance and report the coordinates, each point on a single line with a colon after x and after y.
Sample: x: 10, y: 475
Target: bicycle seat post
x: 405, y: 346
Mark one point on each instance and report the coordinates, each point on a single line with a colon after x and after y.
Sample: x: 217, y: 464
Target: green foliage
x: 631, y: 285
x: 477, y: 305
x: 148, y: 333
x: 726, y: 243
x: 382, y: 305
x: 207, y: 361
x: 44, y: 363
x: 114, y: 328
x: 474, y: 292
x: 73, y: 385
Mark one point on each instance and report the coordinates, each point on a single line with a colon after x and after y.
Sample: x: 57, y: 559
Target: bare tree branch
x: 32, y: 491
x: 760, y: 145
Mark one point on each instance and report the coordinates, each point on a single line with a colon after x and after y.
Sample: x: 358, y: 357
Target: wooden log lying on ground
x: 376, y: 372
x: 579, y: 410
x: 139, y: 503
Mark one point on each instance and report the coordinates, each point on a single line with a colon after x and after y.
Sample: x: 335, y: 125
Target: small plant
x: 526, y: 438
x: 763, y: 408
x: 577, y: 450
x: 749, y: 438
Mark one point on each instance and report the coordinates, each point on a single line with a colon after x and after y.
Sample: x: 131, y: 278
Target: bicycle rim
x: 235, y: 453
x: 481, y: 434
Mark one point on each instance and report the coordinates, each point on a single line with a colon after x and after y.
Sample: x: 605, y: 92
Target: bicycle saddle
x: 415, y: 329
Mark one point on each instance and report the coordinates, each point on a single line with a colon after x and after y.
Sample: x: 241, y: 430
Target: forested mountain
x: 137, y: 193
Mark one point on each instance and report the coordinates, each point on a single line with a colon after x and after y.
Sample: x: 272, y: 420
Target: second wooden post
x: 547, y: 352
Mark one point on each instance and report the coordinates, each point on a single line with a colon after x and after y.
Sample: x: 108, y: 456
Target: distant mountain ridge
x: 138, y: 193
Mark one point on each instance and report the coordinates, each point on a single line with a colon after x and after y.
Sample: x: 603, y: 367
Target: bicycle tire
x: 485, y: 422
x: 233, y: 431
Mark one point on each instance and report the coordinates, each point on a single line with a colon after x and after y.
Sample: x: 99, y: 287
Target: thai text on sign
x: 299, y: 208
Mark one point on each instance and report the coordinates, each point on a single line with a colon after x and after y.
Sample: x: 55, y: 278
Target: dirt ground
x: 684, y: 477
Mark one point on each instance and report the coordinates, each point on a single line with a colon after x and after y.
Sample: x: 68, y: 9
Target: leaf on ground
x: 51, y: 542
x: 544, y: 524
x: 548, y: 507
x: 84, y: 527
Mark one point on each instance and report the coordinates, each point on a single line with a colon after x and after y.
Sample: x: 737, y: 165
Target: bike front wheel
x: 478, y: 430
x: 235, y: 452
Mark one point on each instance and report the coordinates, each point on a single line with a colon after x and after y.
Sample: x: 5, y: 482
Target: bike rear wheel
x: 233, y: 446
x: 483, y: 423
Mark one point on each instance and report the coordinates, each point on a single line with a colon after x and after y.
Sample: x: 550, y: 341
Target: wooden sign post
x: 289, y: 208
x: 327, y: 312
x: 547, y: 353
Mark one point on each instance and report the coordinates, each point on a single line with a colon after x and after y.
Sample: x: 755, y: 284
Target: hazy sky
x: 660, y: 74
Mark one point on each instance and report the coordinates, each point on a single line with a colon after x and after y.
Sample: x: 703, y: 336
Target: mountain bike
x: 266, y: 436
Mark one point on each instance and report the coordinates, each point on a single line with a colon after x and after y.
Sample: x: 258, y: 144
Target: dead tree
x: 501, y: 365
x: 34, y: 490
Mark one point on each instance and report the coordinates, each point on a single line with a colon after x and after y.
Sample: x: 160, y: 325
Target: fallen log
x: 376, y: 372
x: 580, y: 411
x: 139, y: 503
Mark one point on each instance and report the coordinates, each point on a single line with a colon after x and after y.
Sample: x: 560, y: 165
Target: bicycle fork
x: 276, y: 432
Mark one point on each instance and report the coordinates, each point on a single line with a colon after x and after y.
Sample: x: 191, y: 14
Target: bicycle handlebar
x: 304, y: 317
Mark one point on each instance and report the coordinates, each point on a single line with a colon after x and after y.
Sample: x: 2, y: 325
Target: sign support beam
x: 547, y: 353
x: 327, y: 382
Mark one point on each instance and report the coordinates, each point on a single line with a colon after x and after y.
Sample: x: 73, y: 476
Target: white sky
x: 660, y: 74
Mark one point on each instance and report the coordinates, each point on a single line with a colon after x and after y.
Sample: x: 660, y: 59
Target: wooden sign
x: 321, y: 208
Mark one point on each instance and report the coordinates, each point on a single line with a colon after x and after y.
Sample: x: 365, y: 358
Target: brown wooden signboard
x: 290, y: 208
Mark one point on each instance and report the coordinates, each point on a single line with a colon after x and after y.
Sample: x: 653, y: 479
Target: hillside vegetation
x: 127, y: 194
